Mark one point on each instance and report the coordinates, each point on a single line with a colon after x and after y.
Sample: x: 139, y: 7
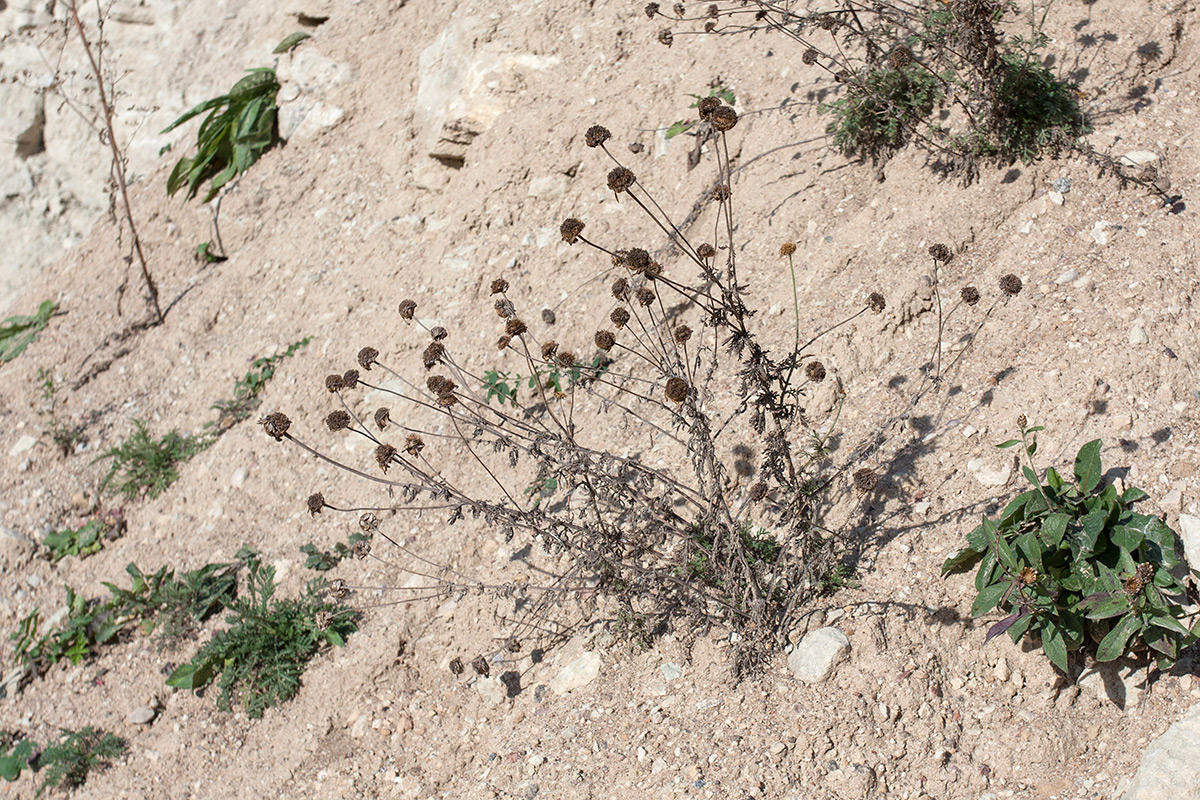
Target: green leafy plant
x: 880, y: 109
x: 247, y: 389
x: 15, y: 753
x: 1069, y: 562
x: 325, y: 560
x: 207, y: 255
x: 760, y: 548
x: 66, y: 763
x: 18, y: 332
x: 683, y: 125
x: 82, y: 541
x: 504, y: 385
x: 143, y: 467
x: 259, y: 659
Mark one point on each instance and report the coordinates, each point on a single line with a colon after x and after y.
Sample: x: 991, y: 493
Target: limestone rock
x: 576, y: 674
x: 818, y: 653
x: 1171, y: 764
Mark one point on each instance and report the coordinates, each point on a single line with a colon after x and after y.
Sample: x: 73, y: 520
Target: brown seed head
x: 940, y: 252
x: 382, y: 417
x: 815, y: 371
x: 323, y: 620
x: 713, y: 11
x: 1010, y: 284
x: 503, y: 342
x: 706, y: 250
x: 384, y: 454
x: 367, y: 357
x: 439, y: 384
x: 407, y: 309
x: 548, y: 316
x: 456, y: 666
x: 810, y: 56
x: 665, y: 37
x: 316, y: 502
x: 676, y: 390
x: 276, y: 425
x: 842, y: 76
x: 707, y: 106
x: 549, y: 348
x: 437, y: 333
x: 565, y: 360
x: 413, y: 445
x: 620, y: 179
x: 787, y: 249
x: 1021, y: 421
x: 570, y: 230
x: 828, y: 23
x: 515, y: 327
x: 433, y: 354
x: 480, y: 665
x: 619, y: 317
x: 721, y: 192
x: 645, y: 296
x: 605, y: 340
x: 865, y: 480
x: 499, y: 286
x: 333, y: 383
x: 876, y: 302
x: 362, y: 549
x: 350, y: 378
x: 596, y: 136
x: 446, y: 400
x: 338, y: 589
x: 682, y: 334
x: 679, y: 10
x: 620, y: 289
x: 900, y: 58
x: 651, y: 9
x: 724, y: 119
x: 368, y: 522
x: 338, y: 420
x: 758, y: 491
x: 970, y: 295
x: 710, y: 26
x: 637, y: 260
x: 504, y: 308
x: 1027, y: 576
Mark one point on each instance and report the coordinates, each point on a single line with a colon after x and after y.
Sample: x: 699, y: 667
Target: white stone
x: 547, y: 187
x: 239, y: 477
x: 1002, y: 672
x: 23, y: 444
x: 1067, y: 276
x: 1170, y: 766
x: 1137, y: 335
x: 1098, y: 233
x: 1189, y: 533
x: 1055, y: 197
x: 142, y: 715
x: 578, y: 673
x: 491, y: 690
x: 1135, y: 158
x: 818, y: 653
x: 989, y: 476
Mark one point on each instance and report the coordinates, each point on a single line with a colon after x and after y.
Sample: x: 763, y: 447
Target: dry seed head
x: 382, y: 417
x: 810, y: 56
x: 407, y: 309
x: 1010, y: 284
x: 437, y: 333
x: 503, y: 342
x: 333, y: 383
x: 876, y: 302
x: 276, y: 425
x: 446, y: 400
x: 480, y: 665
x: 620, y: 179
x: 384, y: 454
x: 682, y: 334
x: 665, y: 37
x: 1141, y: 576
x: 724, y: 119
x: 865, y: 480
x: 456, y: 666
x: 1021, y: 421
x: 413, y: 445
x: 645, y: 296
x: 548, y: 316
x: 706, y: 250
x: 713, y: 11
x: 596, y: 136
x: 570, y: 230
x: 619, y: 317
x: 842, y: 76
x: 707, y: 106
x: 515, y: 327
x: 970, y: 295
x: 637, y: 260
x: 828, y: 23
x: 433, y: 354
x: 499, y: 286
x: 350, y: 378
x: 620, y: 289
x: 710, y: 26
x: 676, y: 390
x: 679, y: 10
x: 1028, y: 576
x: 651, y: 9
x: 434, y: 383
x: 504, y: 308
x: 758, y: 491
x: 721, y: 192
x: 940, y: 252
x: 815, y: 371
x: 323, y: 620
x: 605, y: 340
x: 338, y: 420
x: 338, y: 589
x: 316, y: 502
x: 900, y: 58
x: 787, y: 249
x: 565, y: 360
x: 362, y: 549
x: 367, y: 357
x: 549, y: 348
x: 368, y: 522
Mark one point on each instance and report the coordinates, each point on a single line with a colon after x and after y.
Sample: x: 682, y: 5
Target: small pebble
x: 142, y: 715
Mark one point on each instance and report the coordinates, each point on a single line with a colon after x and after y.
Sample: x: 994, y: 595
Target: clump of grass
x: 259, y: 659
x: 67, y: 763
x: 142, y: 467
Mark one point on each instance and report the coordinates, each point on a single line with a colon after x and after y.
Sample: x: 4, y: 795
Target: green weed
x: 15, y: 752
x: 83, y: 541
x: 325, y: 560
x: 247, y: 389
x: 66, y: 763
x: 18, y: 332
x: 143, y: 467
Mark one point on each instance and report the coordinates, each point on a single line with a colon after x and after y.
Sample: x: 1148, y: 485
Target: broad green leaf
x: 1054, y: 479
x: 1113, y: 645
x: 1053, y: 528
x: 1087, y: 466
x: 961, y: 561
x: 987, y: 568
x: 976, y: 539
x: 1132, y: 495
x: 1105, y: 606
x: 1019, y: 627
x: 1168, y: 623
x: 1030, y: 548
x: 988, y: 598
x: 1030, y: 476
x: 1009, y: 443
x: 1127, y: 538
x: 1006, y: 555
x: 1054, y: 645
x: 290, y: 41
x: 1093, y: 524
x: 192, y: 675
x: 676, y: 129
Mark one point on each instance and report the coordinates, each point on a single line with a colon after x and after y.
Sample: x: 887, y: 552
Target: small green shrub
x: 325, y: 560
x: 143, y: 467
x: 760, y: 548
x: 15, y: 752
x: 247, y: 389
x: 259, y: 659
x: 880, y: 110
x: 18, y: 332
x: 83, y: 541
x: 1070, y: 562
x: 66, y: 763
